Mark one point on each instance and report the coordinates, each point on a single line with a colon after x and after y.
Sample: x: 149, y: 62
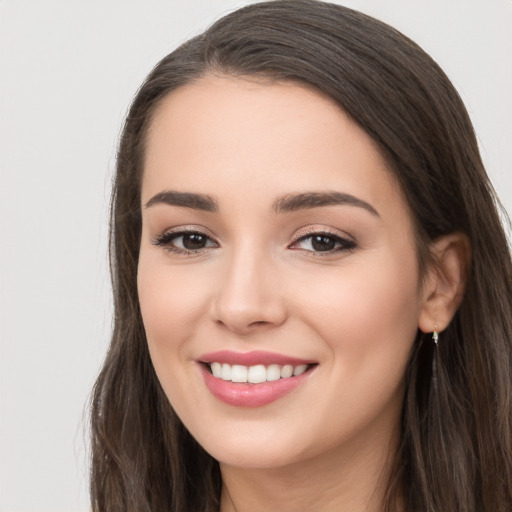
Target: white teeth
x: 238, y: 373
x: 286, y: 371
x: 226, y: 372
x: 273, y: 372
x: 299, y: 370
x: 216, y: 370
x: 256, y: 374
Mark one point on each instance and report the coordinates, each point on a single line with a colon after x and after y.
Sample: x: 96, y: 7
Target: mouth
x: 253, y: 379
x: 256, y: 374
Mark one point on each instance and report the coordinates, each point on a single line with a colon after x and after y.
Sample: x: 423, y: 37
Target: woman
x: 313, y: 291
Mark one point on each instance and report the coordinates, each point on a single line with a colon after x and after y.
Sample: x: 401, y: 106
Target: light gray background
x: 68, y: 70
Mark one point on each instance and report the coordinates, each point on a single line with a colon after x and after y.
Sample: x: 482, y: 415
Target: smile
x: 253, y: 379
x: 255, y: 374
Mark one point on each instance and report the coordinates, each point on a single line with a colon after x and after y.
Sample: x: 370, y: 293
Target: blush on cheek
x: 375, y: 311
x: 175, y: 288
x: 171, y: 308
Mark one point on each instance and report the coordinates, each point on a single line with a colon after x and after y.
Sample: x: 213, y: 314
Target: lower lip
x: 251, y: 395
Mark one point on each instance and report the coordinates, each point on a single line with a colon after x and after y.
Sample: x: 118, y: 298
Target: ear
x: 444, y: 285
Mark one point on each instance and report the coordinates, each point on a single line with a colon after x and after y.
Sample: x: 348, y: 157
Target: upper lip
x: 252, y: 358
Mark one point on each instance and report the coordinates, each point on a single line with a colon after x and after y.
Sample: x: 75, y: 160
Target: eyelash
x: 344, y: 244
x: 165, y: 240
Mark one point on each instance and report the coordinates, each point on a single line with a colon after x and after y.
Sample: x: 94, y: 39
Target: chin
x: 254, y: 458
x: 268, y: 448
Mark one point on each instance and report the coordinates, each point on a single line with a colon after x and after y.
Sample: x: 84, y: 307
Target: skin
x: 258, y: 284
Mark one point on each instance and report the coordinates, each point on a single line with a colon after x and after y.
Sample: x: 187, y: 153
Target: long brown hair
x: 456, y: 438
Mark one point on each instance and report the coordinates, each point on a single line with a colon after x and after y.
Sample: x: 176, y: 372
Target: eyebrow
x: 184, y: 199
x: 307, y: 200
x: 283, y: 204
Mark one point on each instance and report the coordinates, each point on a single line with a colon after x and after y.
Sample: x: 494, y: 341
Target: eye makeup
x: 192, y: 241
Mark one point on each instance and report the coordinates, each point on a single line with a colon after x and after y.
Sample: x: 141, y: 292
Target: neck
x: 350, y: 479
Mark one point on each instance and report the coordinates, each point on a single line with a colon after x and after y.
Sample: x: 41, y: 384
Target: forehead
x: 202, y: 112
x: 253, y: 138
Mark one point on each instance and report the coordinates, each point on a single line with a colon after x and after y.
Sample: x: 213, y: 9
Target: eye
x: 184, y: 242
x: 323, y: 243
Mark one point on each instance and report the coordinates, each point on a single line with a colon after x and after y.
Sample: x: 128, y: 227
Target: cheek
x: 366, y: 317
x: 171, y: 305
x: 366, y: 311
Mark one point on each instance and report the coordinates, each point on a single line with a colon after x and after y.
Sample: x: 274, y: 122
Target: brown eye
x: 185, y: 242
x: 194, y: 241
x: 323, y: 243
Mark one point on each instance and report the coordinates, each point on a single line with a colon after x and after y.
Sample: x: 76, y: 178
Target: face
x: 278, y: 277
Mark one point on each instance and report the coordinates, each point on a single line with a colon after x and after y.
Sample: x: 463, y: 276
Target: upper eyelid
x: 317, y: 230
x: 167, y: 236
x: 337, y: 238
x: 166, y: 241
x: 178, y: 230
x: 181, y: 233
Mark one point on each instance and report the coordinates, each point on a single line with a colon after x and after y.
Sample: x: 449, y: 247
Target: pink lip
x: 252, y: 358
x: 250, y: 395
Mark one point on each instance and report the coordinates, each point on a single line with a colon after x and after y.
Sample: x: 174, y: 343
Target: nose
x: 248, y: 297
